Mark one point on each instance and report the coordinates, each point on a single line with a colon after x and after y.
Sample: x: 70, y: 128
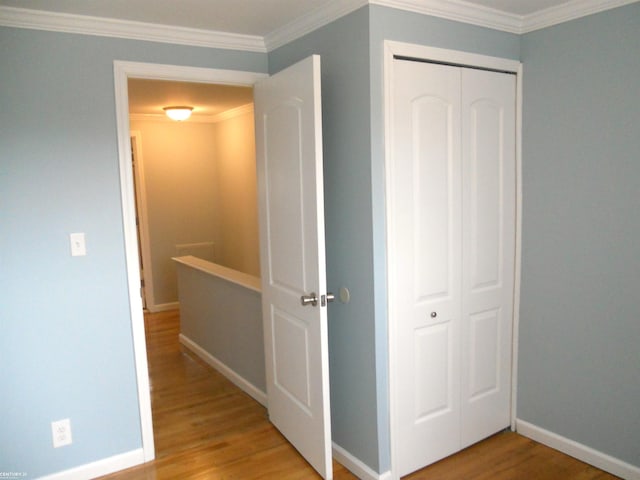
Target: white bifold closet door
x: 452, y: 228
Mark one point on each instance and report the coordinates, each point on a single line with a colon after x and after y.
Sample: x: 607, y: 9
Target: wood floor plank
x: 205, y: 428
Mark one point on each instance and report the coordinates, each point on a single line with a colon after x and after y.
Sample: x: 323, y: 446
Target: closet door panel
x: 433, y: 203
x: 451, y: 228
x: 488, y: 247
x: 426, y: 202
x: 483, y: 165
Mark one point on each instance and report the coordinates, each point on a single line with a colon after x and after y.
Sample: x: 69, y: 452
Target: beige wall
x: 200, y: 184
x: 180, y: 187
x: 237, y: 194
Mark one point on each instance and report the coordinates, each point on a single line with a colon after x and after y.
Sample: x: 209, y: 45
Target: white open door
x: 291, y: 216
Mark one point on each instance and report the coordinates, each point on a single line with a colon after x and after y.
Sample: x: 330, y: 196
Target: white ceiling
x: 149, y: 97
x: 247, y: 17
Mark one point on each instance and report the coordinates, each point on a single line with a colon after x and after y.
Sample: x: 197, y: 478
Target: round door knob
x: 434, y: 314
x: 311, y: 299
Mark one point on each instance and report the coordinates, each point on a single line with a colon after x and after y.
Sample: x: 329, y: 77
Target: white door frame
x: 421, y: 52
x: 143, y: 221
x: 122, y: 72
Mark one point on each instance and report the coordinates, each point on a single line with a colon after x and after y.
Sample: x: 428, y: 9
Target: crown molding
x: 459, y: 11
x: 233, y: 113
x: 107, y: 27
x: 466, y: 12
x: 311, y: 21
x: 569, y: 11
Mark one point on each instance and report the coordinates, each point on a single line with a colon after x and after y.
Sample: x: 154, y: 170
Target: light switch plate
x: 78, y: 246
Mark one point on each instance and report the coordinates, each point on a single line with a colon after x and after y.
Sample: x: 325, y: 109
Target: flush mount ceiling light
x: 178, y: 113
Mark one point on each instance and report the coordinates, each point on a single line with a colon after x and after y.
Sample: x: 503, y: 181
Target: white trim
x: 577, y: 450
x: 101, y: 467
x: 392, y: 48
x: 235, y: 378
x: 143, y: 221
x: 131, y: 256
x: 356, y: 466
x: 109, y: 27
x: 122, y: 72
x: 158, y: 71
x: 233, y: 113
x: 568, y: 11
x: 390, y: 247
x: 311, y: 21
x: 515, y: 334
x: 456, y: 10
x: 163, y: 307
x: 471, y: 13
x: 459, y: 11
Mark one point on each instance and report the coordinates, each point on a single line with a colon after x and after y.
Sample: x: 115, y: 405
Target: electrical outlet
x: 61, y: 431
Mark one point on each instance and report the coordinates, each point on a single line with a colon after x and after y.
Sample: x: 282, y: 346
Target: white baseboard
x: 101, y: 467
x: 163, y: 307
x: 241, y: 382
x: 577, y: 450
x: 356, y: 466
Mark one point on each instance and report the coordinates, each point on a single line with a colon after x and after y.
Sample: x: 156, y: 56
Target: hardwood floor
x: 509, y: 456
x: 206, y: 428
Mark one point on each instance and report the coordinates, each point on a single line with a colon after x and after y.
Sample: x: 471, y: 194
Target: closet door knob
x: 434, y: 314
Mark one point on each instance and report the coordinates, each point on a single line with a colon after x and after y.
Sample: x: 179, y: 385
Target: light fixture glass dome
x: 178, y: 113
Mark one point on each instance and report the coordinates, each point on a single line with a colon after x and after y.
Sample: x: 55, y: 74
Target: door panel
x: 432, y: 352
x: 284, y: 192
x: 452, y: 198
x: 291, y: 358
x: 484, y: 358
x: 426, y: 203
x: 484, y: 162
x: 291, y: 218
x: 489, y: 191
x: 433, y: 160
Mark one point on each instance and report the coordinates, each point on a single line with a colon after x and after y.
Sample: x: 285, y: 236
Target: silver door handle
x: 311, y: 299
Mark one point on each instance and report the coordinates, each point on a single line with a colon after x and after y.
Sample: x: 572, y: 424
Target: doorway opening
x: 194, y: 181
x: 123, y: 71
x: 196, y: 202
x: 291, y: 223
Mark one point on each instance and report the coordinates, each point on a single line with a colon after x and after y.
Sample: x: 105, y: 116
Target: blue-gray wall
x: 224, y: 318
x: 579, y: 362
x: 66, y: 342
x: 344, y: 48
x: 353, y: 122
x: 65, y: 346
